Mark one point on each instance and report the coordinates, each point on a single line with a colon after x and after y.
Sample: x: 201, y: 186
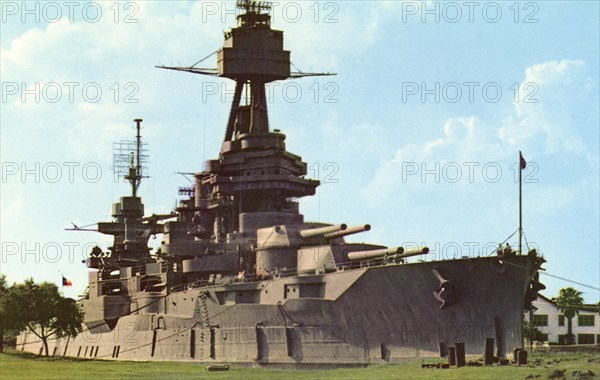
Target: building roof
x: 591, y: 307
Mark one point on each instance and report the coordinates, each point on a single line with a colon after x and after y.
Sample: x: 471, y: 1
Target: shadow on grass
x: 10, y: 352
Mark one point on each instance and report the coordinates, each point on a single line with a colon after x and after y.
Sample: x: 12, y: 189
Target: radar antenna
x: 130, y: 158
x: 250, y: 6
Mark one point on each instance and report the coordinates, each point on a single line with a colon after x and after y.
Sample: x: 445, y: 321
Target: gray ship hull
x: 354, y: 317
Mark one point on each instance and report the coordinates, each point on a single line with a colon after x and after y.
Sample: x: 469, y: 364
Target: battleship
x: 240, y: 277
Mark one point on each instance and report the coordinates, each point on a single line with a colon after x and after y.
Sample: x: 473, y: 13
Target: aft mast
x: 135, y: 170
x: 129, y: 227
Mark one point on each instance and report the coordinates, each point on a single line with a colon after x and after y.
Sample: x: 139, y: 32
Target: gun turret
x: 313, y: 232
x: 348, y: 231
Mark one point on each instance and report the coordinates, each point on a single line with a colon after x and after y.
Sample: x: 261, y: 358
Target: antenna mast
x: 129, y: 157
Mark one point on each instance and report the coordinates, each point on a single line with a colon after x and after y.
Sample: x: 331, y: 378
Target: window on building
x: 562, y: 339
x: 585, y: 338
x: 561, y: 320
x: 543, y: 337
x: 540, y: 320
x: 585, y: 320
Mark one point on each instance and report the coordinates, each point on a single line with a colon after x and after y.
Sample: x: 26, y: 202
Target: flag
x: 66, y: 282
x: 523, y: 162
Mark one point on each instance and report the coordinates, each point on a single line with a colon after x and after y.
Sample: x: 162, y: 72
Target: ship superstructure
x: 241, y: 277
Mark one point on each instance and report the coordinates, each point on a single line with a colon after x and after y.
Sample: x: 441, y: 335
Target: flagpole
x: 520, y: 204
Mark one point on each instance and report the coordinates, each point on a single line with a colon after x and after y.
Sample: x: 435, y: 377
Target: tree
x: 569, y: 301
x: 42, y: 310
x: 3, y: 290
x: 531, y: 332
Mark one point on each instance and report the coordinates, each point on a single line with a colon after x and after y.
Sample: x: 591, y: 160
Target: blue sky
x: 418, y: 134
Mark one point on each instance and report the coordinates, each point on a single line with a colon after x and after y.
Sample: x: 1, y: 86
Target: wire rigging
x: 205, y: 58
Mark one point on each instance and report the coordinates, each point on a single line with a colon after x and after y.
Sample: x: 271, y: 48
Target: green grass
x: 16, y: 365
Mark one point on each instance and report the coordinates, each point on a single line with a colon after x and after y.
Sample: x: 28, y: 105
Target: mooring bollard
x: 460, y: 354
x: 443, y: 349
x: 516, y: 355
x: 489, y: 351
x: 522, y: 357
x: 452, y: 356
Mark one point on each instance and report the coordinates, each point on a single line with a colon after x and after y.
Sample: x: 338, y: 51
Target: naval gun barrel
x: 322, y: 230
x: 364, y: 255
x: 348, y: 231
x: 414, y: 252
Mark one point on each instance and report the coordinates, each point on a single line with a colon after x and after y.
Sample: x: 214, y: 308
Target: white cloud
x: 541, y: 128
x: 465, y: 143
x: 549, y: 98
x: 346, y: 30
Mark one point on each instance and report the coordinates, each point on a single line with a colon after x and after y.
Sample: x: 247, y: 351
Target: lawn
x: 16, y: 365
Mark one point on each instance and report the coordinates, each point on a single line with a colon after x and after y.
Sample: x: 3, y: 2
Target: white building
x: 553, y: 324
